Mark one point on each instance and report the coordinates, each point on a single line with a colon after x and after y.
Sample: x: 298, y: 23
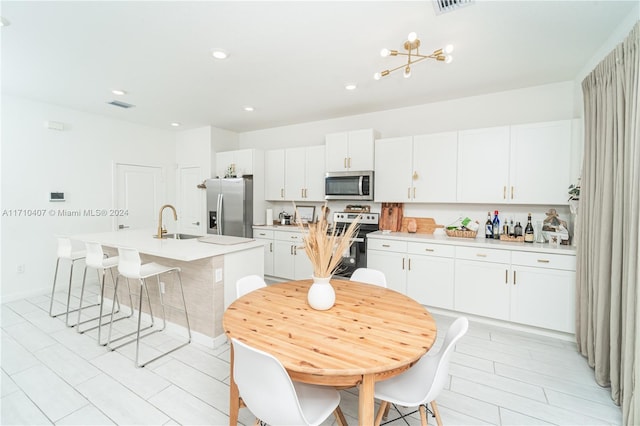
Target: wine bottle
x: 496, y: 226
x: 512, y: 231
x: 528, y: 231
x: 517, y: 230
x: 488, y: 227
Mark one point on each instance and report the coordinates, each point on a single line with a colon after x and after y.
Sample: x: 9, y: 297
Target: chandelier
x: 413, y: 44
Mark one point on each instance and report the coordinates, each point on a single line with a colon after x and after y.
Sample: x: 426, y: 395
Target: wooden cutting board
x: 391, y: 216
x: 425, y: 225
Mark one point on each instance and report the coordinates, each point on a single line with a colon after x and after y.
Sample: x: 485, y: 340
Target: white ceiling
x: 290, y: 60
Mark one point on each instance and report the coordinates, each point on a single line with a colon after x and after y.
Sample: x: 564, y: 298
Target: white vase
x: 321, y: 295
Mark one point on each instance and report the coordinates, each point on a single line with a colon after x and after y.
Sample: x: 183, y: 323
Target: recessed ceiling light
x: 176, y: 124
x: 219, y: 53
x: 350, y: 86
x: 118, y: 92
x: 248, y: 108
x: 4, y: 22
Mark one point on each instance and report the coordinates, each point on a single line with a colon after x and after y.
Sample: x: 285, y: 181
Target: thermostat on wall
x: 56, y: 196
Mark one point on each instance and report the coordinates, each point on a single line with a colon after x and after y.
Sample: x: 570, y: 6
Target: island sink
x: 178, y: 236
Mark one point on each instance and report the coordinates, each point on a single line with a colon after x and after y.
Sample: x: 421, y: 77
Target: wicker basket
x: 460, y: 233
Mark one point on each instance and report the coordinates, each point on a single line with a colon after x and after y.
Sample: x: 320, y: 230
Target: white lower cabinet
x: 543, y: 288
x: 392, y: 263
x: 531, y: 288
x: 266, y: 236
x: 482, y: 282
x: 422, y: 271
x: 289, y: 258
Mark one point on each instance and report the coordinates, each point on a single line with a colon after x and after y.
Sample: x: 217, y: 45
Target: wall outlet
x: 162, y: 287
x: 21, y: 268
x: 218, y: 275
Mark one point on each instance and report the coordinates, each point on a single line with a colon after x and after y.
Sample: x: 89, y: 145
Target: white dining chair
x: 247, y: 284
x: 130, y: 267
x: 422, y: 383
x: 269, y: 393
x: 369, y: 276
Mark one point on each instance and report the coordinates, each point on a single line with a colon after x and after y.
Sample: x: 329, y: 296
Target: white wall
x: 541, y: 103
x: 78, y: 161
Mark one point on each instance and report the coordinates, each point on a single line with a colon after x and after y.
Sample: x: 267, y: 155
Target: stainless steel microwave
x: 348, y: 186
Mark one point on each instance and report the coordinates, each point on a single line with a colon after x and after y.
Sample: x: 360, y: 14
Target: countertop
x: 184, y: 250
x: 473, y: 242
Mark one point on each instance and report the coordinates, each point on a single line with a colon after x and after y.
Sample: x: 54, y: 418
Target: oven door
x: 354, y: 258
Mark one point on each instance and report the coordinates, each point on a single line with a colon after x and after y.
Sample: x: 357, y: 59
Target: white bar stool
x: 131, y: 267
x: 65, y: 252
x: 97, y: 259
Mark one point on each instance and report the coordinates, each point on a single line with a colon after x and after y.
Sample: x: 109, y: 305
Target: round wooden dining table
x: 370, y: 334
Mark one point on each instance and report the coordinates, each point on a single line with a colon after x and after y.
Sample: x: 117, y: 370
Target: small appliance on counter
x: 285, y: 218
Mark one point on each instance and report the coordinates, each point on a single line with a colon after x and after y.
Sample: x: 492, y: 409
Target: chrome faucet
x: 175, y: 217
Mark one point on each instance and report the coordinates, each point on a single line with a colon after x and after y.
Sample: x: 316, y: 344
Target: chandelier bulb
x: 448, y: 59
x: 412, y: 37
x: 448, y: 49
x: 407, y: 72
x: 377, y: 76
x: 385, y: 52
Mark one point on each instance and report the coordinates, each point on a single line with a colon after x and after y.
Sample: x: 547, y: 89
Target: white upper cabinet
x: 393, y: 161
x: 483, y: 165
x: 350, y: 150
x: 304, y: 173
x: 274, y: 175
x: 523, y: 164
x: 242, y: 161
x: 540, y: 165
x: 416, y: 169
x: 434, y: 168
x: 295, y: 174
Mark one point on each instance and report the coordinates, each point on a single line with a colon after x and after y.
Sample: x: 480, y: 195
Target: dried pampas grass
x: 323, y: 248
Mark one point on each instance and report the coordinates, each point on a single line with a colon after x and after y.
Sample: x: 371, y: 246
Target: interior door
x: 191, y: 205
x: 138, y: 191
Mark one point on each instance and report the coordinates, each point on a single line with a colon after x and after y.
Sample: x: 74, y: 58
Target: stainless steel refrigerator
x: 230, y: 206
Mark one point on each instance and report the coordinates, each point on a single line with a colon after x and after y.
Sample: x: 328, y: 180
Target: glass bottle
x: 528, y: 231
x: 496, y: 226
x: 517, y: 230
x: 488, y: 227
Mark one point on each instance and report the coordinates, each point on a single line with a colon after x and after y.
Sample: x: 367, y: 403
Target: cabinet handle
x: 344, y: 162
x: 294, y: 237
x: 301, y: 192
x: 481, y: 255
x: 504, y: 192
x: 196, y: 223
x: 403, y: 263
x: 506, y: 276
x: 281, y: 192
x: 543, y: 261
x: 305, y: 192
x: 295, y: 250
x: 386, y: 245
x: 262, y: 234
x: 349, y: 162
x: 409, y: 268
x: 429, y: 250
x: 409, y: 193
x: 514, y: 277
x: 414, y: 192
x: 270, y: 247
x: 512, y: 192
x: 291, y: 250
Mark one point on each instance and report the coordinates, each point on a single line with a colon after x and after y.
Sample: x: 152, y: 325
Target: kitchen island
x: 209, y: 272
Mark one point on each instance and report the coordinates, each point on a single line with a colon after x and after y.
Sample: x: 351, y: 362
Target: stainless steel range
x: 357, y: 256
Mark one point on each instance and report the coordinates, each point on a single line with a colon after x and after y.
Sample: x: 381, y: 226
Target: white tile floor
x: 53, y: 375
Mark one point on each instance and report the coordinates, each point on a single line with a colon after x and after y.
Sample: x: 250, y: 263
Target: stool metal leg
x: 109, y: 340
x: 80, y: 307
x: 53, y: 290
x: 184, y: 304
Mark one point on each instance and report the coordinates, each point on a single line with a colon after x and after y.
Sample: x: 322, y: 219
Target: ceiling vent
x: 444, y: 6
x: 120, y: 104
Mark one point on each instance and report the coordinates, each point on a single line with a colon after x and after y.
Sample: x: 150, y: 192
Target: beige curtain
x: 607, y: 304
